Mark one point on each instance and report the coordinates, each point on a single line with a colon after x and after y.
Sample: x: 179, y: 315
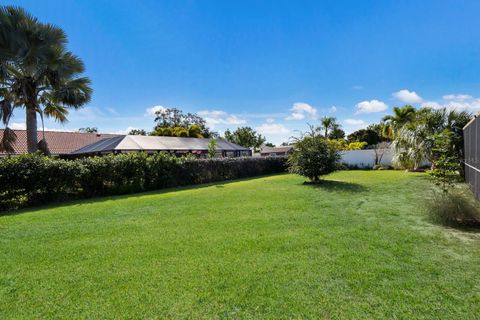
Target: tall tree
x: 37, y: 73
x: 401, y: 117
x: 336, y: 132
x: 415, y: 142
x: 364, y: 135
x: 246, y: 137
x: 173, y: 122
x: 327, y: 124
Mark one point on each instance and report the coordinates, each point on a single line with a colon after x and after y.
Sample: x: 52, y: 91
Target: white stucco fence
x: 365, y: 158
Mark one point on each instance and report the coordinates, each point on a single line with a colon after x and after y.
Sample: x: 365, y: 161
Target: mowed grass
x: 358, y: 246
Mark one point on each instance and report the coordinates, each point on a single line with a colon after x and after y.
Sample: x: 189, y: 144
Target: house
x: 77, y: 144
x: 281, y: 151
x: 59, y: 143
x: 152, y: 144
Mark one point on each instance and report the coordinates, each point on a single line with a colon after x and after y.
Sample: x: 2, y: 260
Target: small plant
x: 212, y: 148
x: 446, y: 166
x: 453, y: 205
x: 313, y: 156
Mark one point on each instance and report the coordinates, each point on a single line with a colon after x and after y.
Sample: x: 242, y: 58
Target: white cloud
x: 270, y: 120
x: 300, y: 110
x: 457, y: 97
x: 151, y: 112
x: 371, y: 106
x: 354, y: 122
x: 17, y: 126
x: 357, y: 87
x: 332, y: 109
x: 216, y: 117
x: 431, y: 105
x: 458, y: 102
x: 407, y: 96
x: 272, y: 129
x: 295, y: 116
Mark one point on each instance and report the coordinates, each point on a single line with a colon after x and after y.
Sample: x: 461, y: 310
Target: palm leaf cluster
x: 37, y: 73
x: 414, y: 132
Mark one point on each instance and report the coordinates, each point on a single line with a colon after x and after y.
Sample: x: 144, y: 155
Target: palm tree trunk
x: 32, y: 141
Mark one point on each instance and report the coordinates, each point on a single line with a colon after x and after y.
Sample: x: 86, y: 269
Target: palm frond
x: 74, y: 93
x: 8, y: 139
x: 57, y: 112
x: 6, y: 111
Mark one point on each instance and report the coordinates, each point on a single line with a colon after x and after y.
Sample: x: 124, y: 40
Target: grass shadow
x: 335, y: 186
x: 103, y: 198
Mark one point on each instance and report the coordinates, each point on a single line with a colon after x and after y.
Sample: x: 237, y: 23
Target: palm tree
x: 327, y: 124
x: 414, y: 142
x: 37, y: 73
x: 401, y: 116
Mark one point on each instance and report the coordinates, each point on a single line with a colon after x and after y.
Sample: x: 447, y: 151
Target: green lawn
x: 359, y: 246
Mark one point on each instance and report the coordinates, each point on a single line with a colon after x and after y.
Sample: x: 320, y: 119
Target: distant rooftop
x: 59, y: 142
x: 279, y: 149
x: 154, y: 144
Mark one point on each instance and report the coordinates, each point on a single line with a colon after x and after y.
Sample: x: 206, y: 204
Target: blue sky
x: 271, y: 65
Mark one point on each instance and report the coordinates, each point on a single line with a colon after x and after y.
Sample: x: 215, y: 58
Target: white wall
x: 365, y: 158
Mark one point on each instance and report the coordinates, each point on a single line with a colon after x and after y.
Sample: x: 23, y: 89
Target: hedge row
x: 35, y: 179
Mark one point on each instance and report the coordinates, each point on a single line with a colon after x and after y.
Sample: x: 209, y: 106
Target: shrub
x: 313, y: 156
x: 33, y: 179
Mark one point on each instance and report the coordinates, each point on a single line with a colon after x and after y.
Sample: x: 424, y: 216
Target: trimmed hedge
x: 35, y: 179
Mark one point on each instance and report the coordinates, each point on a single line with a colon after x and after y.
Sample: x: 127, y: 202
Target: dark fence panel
x: 471, y: 134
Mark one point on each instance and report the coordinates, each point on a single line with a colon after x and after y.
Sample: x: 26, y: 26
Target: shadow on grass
x: 335, y: 186
x: 104, y: 198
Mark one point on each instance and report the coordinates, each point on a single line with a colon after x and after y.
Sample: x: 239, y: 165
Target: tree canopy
x: 37, y: 74
x: 313, y: 156
x: 173, y: 122
x: 246, y: 137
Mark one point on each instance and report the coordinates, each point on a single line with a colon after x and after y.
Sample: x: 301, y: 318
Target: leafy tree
x: 37, y: 73
x: 195, y: 131
x: 336, y: 132
x: 246, y: 137
x: 445, y: 163
x: 269, y: 144
x: 173, y: 122
x: 364, y: 135
x: 212, y: 148
x: 313, y: 156
x: 88, y: 130
x: 383, y: 130
x: 137, y: 132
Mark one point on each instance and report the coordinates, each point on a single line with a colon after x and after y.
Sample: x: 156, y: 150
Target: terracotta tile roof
x: 59, y: 143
